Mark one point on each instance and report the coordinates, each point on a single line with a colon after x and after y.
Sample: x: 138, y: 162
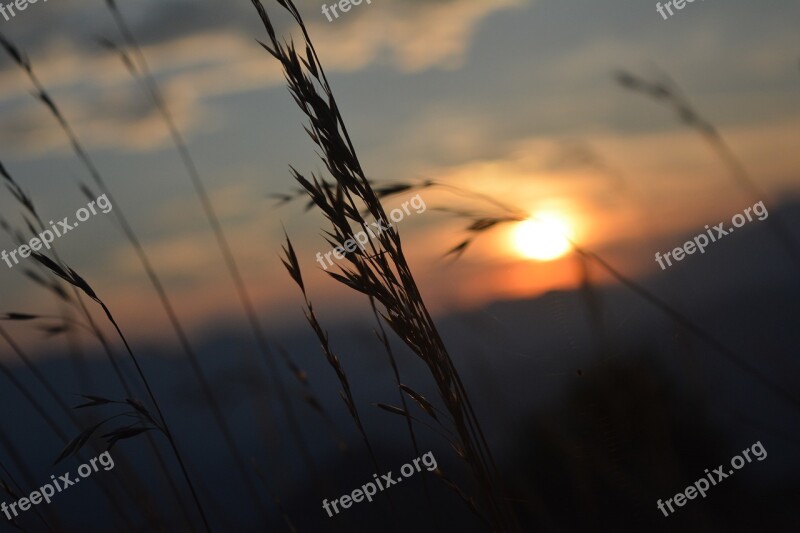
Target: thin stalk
x: 684, y: 321
x: 385, y: 273
x: 222, y: 241
x: 690, y: 326
x: 128, y: 391
x: 41, y: 410
x: 403, y: 402
x: 89, y: 164
x: 164, y: 426
x: 28, y: 204
x: 670, y: 93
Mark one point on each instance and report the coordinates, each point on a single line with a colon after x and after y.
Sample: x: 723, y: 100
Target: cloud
x: 415, y: 35
x: 198, y: 51
x: 122, y: 118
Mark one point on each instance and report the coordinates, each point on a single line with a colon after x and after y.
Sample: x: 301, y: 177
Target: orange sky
x: 478, y: 100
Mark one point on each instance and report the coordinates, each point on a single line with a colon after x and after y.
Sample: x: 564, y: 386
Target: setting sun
x: 543, y: 237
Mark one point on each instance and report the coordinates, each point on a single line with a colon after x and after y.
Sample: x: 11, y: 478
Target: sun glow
x: 543, y: 237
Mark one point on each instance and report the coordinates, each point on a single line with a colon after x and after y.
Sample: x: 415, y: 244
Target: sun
x: 543, y: 237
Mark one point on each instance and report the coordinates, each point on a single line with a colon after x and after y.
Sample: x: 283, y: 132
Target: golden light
x: 543, y: 237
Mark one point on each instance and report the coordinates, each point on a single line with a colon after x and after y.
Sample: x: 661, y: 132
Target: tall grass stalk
x: 41, y: 411
x: 699, y: 332
x: 667, y: 92
x: 402, y: 390
x: 22, y: 61
x: 383, y: 272
x: 132, y: 486
x: 293, y: 266
x: 140, y: 69
x: 34, y: 221
x: 72, y: 277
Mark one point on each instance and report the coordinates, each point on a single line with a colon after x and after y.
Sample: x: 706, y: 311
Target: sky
x: 511, y: 98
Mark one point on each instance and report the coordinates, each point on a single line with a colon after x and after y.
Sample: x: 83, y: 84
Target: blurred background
x: 595, y: 401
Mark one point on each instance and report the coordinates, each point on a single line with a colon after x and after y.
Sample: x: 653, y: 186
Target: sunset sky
x: 502, y: 97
